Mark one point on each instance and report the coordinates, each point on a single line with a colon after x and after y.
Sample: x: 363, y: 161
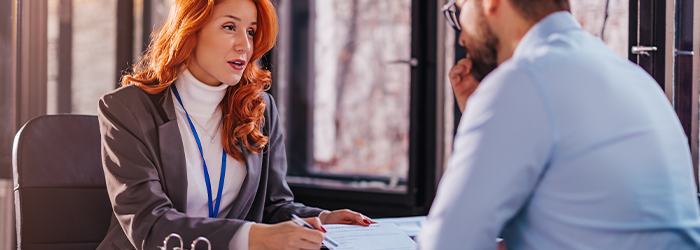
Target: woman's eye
x: 229, y: 27
x: 251, y: 32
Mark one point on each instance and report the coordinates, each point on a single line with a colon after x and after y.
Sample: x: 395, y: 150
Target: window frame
x: 686, y: 68
x: 425, y: 147
x: 674, y: 69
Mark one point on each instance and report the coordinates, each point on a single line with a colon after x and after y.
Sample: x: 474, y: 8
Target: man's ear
x: 490, y: 6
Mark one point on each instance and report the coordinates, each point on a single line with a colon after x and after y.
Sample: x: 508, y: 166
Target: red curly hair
x: 168, y: 55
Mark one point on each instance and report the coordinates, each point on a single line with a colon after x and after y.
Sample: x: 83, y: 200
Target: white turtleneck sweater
x: 202, y: 104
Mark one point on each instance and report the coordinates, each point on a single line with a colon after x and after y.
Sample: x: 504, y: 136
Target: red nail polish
x: 366, y: 221
x: 324, y: 229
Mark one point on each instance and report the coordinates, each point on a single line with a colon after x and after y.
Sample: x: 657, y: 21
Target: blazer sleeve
x: 142, y: 208
x: 279, y: 203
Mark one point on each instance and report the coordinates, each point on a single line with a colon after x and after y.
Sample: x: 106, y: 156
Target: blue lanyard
x: 213, y: 211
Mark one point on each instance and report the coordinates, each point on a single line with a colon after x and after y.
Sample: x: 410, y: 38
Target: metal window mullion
x: 125, y: 37
x: 65, y: 57
x: 31, y: 60
x: 670, y: 60
x: 695, y: 89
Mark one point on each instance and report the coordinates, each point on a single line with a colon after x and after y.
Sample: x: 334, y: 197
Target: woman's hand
x: 286, y: 235
x: 345, y: 216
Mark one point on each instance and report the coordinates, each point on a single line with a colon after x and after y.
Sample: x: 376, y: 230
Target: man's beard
x: 482, y: 49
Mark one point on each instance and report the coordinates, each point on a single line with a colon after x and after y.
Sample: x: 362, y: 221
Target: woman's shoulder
x: 271, y: 114
x: 126, y: 93
x: 270, y: 105
x: 266, y: 96
x: 133, y: 99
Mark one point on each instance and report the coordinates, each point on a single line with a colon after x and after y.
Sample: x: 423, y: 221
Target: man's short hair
x: 535, y: 10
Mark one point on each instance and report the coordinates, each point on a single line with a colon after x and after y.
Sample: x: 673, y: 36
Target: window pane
x: 361, y: 92
x: 81, y: 54
x: 591, y: 15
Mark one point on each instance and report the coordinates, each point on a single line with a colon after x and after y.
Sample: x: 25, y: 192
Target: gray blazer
x: 144, y: 164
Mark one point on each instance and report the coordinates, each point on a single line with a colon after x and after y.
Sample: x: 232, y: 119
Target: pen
x: 303, y: 223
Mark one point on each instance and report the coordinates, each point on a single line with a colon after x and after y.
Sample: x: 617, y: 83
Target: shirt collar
x: 553, y: 23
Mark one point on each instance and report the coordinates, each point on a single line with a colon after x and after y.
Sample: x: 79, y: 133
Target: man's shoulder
x: 570, y: 50
x: 509, y: 84
x: 511, y: 71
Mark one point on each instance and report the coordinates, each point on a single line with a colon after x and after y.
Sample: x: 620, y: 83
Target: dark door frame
x: 675, y: 65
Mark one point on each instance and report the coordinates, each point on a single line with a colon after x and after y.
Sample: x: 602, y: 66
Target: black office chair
x: 61, y: 200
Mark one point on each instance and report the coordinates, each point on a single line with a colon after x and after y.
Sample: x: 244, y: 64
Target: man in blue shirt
x: 565, y: 145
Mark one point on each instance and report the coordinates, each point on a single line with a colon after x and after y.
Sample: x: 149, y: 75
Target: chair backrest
x: 61, y: 200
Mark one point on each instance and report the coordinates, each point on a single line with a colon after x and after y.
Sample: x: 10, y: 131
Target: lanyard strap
x: 213, y: 210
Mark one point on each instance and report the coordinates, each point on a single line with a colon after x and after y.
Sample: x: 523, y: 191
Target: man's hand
x: 286, y: 235
x: 344, y: 216
x: 463, y: 83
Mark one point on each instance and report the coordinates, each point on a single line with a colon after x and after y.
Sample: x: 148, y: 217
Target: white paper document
x: 410, y: 225
x: 380, y: 236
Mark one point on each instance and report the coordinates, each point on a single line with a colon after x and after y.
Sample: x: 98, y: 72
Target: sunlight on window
x: 591, y: 15
x: 361, y: 92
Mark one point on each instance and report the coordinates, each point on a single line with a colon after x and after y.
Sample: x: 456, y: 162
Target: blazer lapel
x: 245, y: 198
x: 175, y: 172
x: 172, y: 156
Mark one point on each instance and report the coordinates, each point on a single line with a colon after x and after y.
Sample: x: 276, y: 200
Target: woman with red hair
x: 192, y: 144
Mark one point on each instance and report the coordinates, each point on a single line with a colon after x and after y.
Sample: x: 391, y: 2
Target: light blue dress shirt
x: 566, y: 145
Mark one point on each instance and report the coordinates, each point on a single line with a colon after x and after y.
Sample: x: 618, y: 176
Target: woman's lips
x: 237, y: 64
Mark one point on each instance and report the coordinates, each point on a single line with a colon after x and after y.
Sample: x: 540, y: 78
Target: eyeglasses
x: 450, y: 11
